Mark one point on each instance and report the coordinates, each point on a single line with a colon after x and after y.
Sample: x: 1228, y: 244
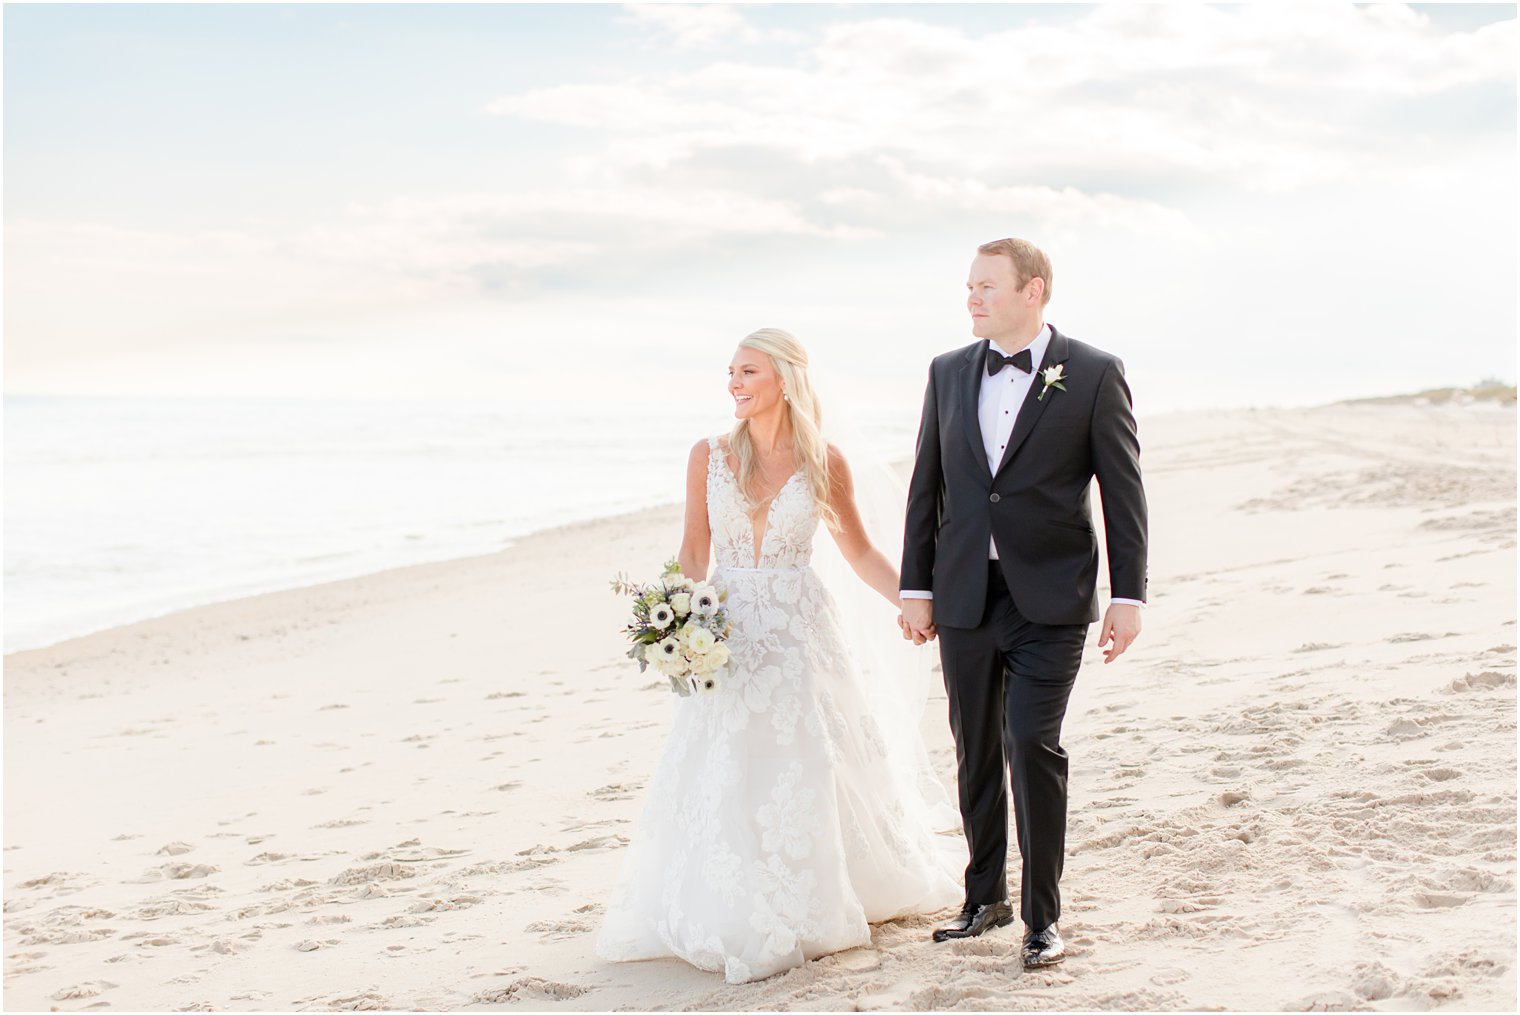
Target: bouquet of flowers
x: 678, y: 628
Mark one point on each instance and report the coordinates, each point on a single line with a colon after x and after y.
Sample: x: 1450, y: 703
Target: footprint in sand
x: 367, y: 1001
x: 94, y: 988
x: 370, y: 891
x: 286, y: 885
x: 1488, y: 680
x: 67, y: 937
x: 312, y: 944
x: 444, y: 905
x: 401, y: 921
x: 175, y: 872
x: 170, y: 907
x: 529, y: 988
x: 373, y: 873
x: 554, y: 930
x: 616, y: 791
x: 1406, y: 729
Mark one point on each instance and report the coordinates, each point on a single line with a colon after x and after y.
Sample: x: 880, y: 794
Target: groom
x: 1000, y: 562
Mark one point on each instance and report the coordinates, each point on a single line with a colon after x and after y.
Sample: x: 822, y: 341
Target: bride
x: 788, y: 809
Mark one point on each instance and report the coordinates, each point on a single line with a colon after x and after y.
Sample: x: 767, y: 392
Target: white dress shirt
x: 997, y: 410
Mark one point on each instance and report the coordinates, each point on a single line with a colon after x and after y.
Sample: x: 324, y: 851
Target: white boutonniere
x: 1052, y: 376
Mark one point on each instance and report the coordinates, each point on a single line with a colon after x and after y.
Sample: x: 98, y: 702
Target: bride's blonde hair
x: 803, y: 412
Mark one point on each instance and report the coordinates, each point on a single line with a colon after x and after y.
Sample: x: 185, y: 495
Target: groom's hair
x: 1029, y: 261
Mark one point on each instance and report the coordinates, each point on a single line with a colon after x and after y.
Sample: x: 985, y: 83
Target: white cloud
x: 163, y: 286
x: 1262, y: 95
x: 1065, y: 206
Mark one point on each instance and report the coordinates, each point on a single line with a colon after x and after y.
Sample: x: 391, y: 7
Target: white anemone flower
x: 704, y: 600
x: 661, y: 616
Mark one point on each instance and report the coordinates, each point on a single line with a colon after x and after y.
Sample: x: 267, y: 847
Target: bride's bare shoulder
x: 837, y: 460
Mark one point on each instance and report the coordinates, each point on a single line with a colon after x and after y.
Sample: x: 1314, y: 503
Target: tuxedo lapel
x: 970, y: 394
x: 1034, y: 406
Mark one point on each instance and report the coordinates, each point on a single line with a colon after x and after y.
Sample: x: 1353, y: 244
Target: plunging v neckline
x: 758, y: 545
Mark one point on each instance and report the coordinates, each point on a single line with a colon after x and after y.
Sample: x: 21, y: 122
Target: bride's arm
x: 867, y: 561
x: 696, y: 538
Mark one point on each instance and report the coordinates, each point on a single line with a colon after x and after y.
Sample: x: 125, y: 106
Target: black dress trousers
x: 1008, y: 680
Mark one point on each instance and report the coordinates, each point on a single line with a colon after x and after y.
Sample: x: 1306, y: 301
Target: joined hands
x: 916, y: 621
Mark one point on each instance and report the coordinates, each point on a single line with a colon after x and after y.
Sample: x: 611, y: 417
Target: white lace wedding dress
x: 778, y: 822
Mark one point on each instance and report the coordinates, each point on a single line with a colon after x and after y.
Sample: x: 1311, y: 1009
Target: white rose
x: 701, y: 640
x: 716, y: 656
x: 681, y: 603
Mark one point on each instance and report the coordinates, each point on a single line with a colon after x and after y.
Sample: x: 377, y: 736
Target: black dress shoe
x: 973, y: 920
x: 1043, y: 947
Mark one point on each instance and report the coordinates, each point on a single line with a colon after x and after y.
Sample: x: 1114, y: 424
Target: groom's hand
x: 917, y: 620
x: 1121, y: 625
x: 909, y: 635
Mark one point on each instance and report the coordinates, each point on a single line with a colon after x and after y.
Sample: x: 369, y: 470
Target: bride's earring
x: 785, y: 397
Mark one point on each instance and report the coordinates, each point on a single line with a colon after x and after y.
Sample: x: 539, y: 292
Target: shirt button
x: 994, y: 498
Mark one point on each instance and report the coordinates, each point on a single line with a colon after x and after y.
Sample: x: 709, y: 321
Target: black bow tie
x: 997, y: 361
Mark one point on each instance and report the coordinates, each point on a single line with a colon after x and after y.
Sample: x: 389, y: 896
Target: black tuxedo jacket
x: 1036, y: 504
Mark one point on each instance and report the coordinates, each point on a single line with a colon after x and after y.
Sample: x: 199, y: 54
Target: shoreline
x: 629, y: 517
x: 1497, y: 396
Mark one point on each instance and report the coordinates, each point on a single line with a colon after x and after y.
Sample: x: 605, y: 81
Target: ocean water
x: 119, y: 509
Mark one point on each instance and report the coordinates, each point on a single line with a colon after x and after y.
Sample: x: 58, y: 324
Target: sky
x: 1250, y: 205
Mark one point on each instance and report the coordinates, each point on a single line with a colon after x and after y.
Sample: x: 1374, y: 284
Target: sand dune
x: 412, y: 790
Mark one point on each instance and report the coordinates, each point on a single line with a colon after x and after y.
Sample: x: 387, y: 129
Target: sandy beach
x: 412, y: 789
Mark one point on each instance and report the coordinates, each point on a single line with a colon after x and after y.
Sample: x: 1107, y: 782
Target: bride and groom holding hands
x: 788, y: 810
